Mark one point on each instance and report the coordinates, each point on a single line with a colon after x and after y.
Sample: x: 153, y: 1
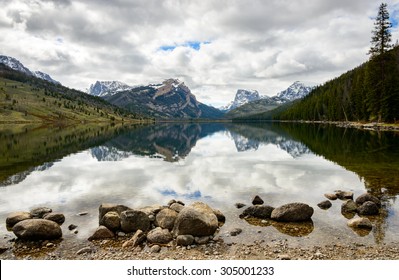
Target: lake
x: 75, y: 169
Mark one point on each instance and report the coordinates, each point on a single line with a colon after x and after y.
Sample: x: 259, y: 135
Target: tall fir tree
x: 377, y: 98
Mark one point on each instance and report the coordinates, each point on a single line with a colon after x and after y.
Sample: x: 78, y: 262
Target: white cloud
x: 262, y: 45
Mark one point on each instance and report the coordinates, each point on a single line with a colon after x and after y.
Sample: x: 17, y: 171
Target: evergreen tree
x: 381, y: 39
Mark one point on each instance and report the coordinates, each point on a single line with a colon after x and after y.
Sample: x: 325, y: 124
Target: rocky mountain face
x: 265, y: 103
x: 169, y: 99
x: 18, y: 66
x: 242, y: 97
x: 102, y: 88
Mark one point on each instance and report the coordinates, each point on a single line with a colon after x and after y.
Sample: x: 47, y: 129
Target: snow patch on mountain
x: 242, y: 97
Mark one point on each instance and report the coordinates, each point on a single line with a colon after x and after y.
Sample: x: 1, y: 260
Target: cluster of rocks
x: 364, y: 205
x: 291, y: 212
x: 175, y: 223
x: 38, y: 224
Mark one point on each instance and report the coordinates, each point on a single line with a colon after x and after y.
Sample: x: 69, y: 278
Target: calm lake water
x: 75, y: 169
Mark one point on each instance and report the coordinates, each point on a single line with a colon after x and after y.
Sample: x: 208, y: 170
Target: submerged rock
x: 235, y: 231
x: 37, y: 229
x: 360, y: 222
x: 348, y: 206
x: 197, y: 219
x: 292, y: 212
x: 344, y: 194
x: 239, y: 205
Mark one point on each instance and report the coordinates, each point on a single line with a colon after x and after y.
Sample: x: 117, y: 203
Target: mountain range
x: 18, y: 66
x: 171, y: 99
x: 253, y: 103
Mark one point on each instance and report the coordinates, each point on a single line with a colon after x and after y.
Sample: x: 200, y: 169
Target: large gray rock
x: 159, y: 236
x: 111, y: 220
x: 55, y: 217
x: 108, y: 207
x: 17, y: 217
x: 368, y: 208
x: 258, y: 211
x: 166, y: 218
x: 37, y: 229
x: 101, y: 233
x: 151, y: 210
x: 292, y: 212
x: 348, y: 206
x: 360, y: 223
x: 132, y: 220
x: 197, y: 219
x: 368, y: 197
x: 40, y: 212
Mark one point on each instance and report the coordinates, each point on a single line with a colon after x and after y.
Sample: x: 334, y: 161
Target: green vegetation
x: 28, y: 99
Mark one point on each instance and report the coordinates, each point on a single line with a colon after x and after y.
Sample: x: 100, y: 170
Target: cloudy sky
x: 215, y: 47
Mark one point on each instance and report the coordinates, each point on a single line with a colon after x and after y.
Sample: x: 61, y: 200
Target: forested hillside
x: 369, y: 92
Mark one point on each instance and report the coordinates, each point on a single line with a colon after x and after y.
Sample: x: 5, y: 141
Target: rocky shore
x: 374, y: 126
x: 179, y: 231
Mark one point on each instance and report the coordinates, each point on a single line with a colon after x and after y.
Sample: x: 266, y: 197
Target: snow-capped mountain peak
x: 18, y: 66
x: 295, y: 91
x: 102, y: 88
x: 242, y: 97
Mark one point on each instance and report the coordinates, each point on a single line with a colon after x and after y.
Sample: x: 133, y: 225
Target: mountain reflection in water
x: 221, y: 163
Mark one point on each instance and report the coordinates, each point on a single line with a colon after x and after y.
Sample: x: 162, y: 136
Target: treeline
x: 369, y: 92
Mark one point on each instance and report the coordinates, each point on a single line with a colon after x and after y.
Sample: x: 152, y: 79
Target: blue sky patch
x: 195, y: 45
x: 394, y: 17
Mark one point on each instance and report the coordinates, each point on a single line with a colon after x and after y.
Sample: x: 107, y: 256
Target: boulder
x: 171, y: 202
x: 111, y: 220
x: 257, y: 200
x: 197, y: 219
x: 176, y: 207
x: 368, y: 197
x: 326, y: 204
x: 219, y: 215
x: 348, y: 206
x: 331, y: 196
x: 108, y: 207
x: 344, y: 194
x: 55, y: 217
x: 151, y: 210
x: 155, y: 249
x: 17, y: 217
x: 101, y: 233
x: 132, y: 220
x: 258, y: 211
x: 166, y: 218
x: 360, y: 222
x: 159, y: 236
x: 368, y: 208
x: 292, y: 212
x: 37, y: 229
x: 136, y: 239
x: 40, y: 212
x: 184, y: 240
